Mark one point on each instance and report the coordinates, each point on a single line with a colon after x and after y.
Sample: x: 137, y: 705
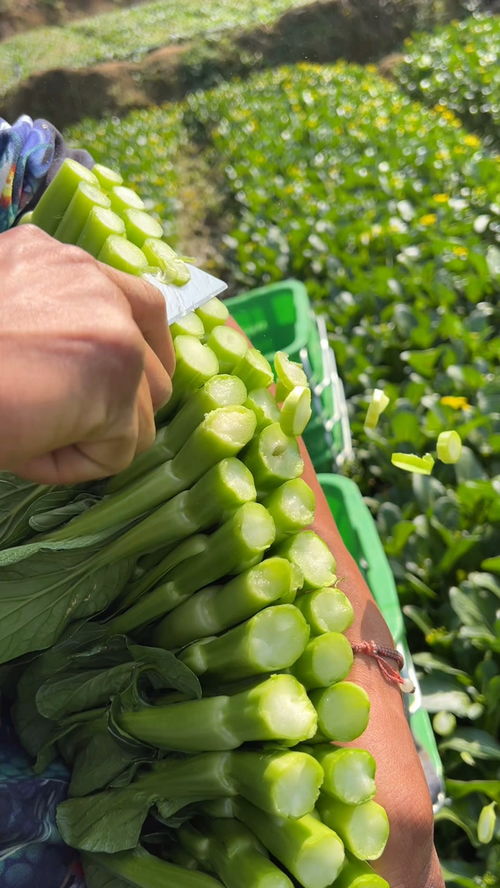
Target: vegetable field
x: 458, y: 67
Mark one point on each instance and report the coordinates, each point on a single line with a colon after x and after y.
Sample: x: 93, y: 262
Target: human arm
x: 86, y: 360
x: 409, y: 860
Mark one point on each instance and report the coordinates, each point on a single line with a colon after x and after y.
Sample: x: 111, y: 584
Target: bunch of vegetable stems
x: 192, y: 665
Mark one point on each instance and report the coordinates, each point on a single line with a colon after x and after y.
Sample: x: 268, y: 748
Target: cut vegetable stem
x: 275, y: 709
x: 216, y: 608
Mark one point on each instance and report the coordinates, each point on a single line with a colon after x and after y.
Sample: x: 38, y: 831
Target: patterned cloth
x: 31, y: 851
x: 32, y: 854
x: 31, y: 152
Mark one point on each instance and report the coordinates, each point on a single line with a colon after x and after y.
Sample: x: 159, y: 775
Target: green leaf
x: 441, y: 691
x: 98, y: 877
x: 460, y: 788
x: 107, y: 821
x: 41, y: 595
x: 452, y: 815
x: 86, y: 689
x: 20, y: 503
x: 479, y: 744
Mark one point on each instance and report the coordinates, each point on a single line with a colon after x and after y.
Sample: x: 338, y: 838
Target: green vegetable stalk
x: 326, y: 610
x: 349, y: 774
x: 254, y: 369
x: 55, y: 199
x: 107, y: 177
x: 275, y: 709
x: 118, y: 252
x: 99, y: 225
x: 272, y: 639
x: 223, y: 432
x: 358, y: 874
x: 292, y: 507
x: 363, y: 828
x: 236, y: 545
x: 189, y: 325
x: 195, y: 364
x: 216, y: 608
x: 229, y: 346
x: 313, y: 853
x: 343, y: 710
x: 273, y: 458
x: 262, y: 402
x: 308, y: 551
x: 143, y: 870
x: 213, y: 313
x: 140, y: 225
x: 219, y: 391
x: 231, y: 851
x: 156, y: 574
x: 325, y: 660
x: 85, y: 198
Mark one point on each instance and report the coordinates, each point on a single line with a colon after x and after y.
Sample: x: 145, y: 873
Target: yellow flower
x: 457, y: 402
x: 472, y: 141
x: 428, y: 219
x: 461, y: 252
x: 441, y: 198
x: 372, y: 69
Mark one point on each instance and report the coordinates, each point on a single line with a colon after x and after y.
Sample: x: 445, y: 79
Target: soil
x: 22, y: 15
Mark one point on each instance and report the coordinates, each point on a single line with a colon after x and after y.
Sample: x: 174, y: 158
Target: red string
x: 380, y: 654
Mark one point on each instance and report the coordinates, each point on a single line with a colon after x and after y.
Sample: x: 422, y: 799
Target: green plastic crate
x: 360, y: 535
x: 279, y: 317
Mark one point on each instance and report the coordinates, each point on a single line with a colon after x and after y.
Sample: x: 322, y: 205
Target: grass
x: 128, y: 33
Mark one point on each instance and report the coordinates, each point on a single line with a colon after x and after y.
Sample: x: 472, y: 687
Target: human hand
x: 409, y: 860
x: 86, y: 360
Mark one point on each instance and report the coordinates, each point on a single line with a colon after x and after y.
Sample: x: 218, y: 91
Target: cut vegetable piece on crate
x: 363, y: 828
x: 410, y: 462
x: 118, y: 252
x: 216, y: 608
x: 291, y: 506
x: 288, y: 374
x: 313, y: 557
x: 349, y: 774
x: 99, y: 225
x: 296, y: 411
x: 376, y: 407
x: 326, y: 659
x: 311, y: 851
x: 343, y: 710
x: 229, y: 345
x: 275, y: 709
x: 326, y: 610
x: 56, y: 197
x: 449, y: 447
x: 273, y: 458
x: 269, y: 641
x: 212, y: 313
x: 85, y: 198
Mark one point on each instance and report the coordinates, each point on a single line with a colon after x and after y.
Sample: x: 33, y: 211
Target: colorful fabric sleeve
x: 31, y: 152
